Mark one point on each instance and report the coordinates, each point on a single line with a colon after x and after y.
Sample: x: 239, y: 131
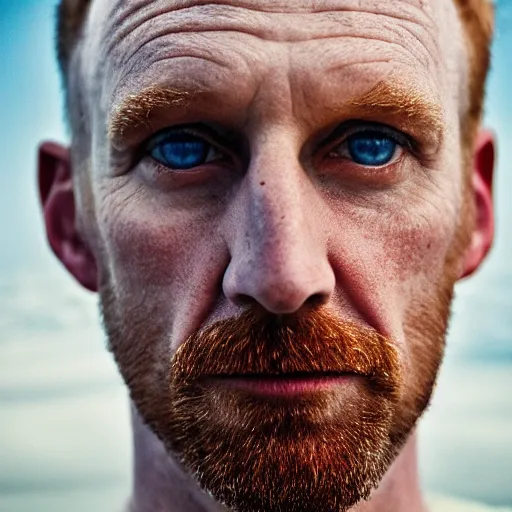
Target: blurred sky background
x: 64, y: 427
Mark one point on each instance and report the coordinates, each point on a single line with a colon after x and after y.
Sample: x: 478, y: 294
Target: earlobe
x: 483, y: 231
x: 58, y: 203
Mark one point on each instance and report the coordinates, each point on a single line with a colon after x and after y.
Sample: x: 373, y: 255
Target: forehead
x: 133, y: 44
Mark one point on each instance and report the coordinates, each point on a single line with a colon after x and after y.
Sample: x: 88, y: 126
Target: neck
x: 162, y: 485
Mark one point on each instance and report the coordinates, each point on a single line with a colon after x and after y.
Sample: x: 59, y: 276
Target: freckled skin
x: 278, y: 104
x: 284, y: 224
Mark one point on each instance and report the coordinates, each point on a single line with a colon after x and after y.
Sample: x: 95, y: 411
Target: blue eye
x: 181, y: 150
x: 371, y: 148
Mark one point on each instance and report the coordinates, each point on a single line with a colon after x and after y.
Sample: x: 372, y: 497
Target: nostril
x: 243, y: 299
x: 316, y: 300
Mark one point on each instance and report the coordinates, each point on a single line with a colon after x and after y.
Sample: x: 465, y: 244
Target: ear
x: 58, y: 202
x: 483, y: 232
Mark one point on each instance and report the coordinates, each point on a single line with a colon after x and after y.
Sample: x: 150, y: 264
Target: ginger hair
x: 477, y: 18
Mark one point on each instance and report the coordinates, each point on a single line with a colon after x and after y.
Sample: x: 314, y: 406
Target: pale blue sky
x: 64, y: 432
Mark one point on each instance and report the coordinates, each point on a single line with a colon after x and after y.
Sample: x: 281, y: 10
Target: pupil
x: 371, y: 150
x: 183, y: 153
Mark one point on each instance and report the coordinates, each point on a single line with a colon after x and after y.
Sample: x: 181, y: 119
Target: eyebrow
x: 412, y: 108
x: 135, y: 109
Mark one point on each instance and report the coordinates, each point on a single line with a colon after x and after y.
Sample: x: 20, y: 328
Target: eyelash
x: 191, y: 130
x: 338, y: 137
x: 343, y: 132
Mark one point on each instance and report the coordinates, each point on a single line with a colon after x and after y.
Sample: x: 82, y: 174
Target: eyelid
x: 192, y: 130
x: 344, y: 131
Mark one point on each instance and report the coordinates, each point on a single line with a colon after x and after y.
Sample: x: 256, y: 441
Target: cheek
x: 159, y: 269
x: 420, y: 227
x: 402, y: 268
x: 418, y: 247
x: 416, y: 242
x: 391, y: 253
x: 416, y: 225
x: 161, y: 261
x: 145, y: 249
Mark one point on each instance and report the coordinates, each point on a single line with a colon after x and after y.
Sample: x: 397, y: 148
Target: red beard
x: 319, y: 451
x: 322, y: 451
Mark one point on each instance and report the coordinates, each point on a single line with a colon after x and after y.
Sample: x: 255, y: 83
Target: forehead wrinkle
x: 166, y: 40
x: 409, y: 9
x: 125, y: 34
x: 197, y: 16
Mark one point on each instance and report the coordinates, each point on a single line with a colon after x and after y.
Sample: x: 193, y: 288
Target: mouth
x: 282, y: 385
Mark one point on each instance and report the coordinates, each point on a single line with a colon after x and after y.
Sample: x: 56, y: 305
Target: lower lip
x: 283, y: 386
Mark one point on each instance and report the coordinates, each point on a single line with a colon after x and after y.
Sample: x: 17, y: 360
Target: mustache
x: 257, y: 344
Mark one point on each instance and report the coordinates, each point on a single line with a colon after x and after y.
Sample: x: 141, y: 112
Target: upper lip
x: 274, y: 376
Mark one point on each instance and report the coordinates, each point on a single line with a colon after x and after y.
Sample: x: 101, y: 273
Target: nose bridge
x: 277, y: 218
x: 279, y: 252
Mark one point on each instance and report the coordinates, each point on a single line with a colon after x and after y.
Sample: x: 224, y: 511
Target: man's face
x: 263, y: 171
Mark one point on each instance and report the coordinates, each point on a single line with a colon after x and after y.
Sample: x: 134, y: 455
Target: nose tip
x: 282, y: 290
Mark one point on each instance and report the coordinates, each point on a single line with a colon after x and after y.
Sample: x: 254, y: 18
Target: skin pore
x: 280, y: 218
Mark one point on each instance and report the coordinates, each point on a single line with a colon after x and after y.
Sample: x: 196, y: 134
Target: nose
x: 278, y: 241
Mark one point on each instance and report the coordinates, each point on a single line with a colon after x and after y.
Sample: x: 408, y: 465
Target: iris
x: 372, y: 149
x: 180, y: 151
